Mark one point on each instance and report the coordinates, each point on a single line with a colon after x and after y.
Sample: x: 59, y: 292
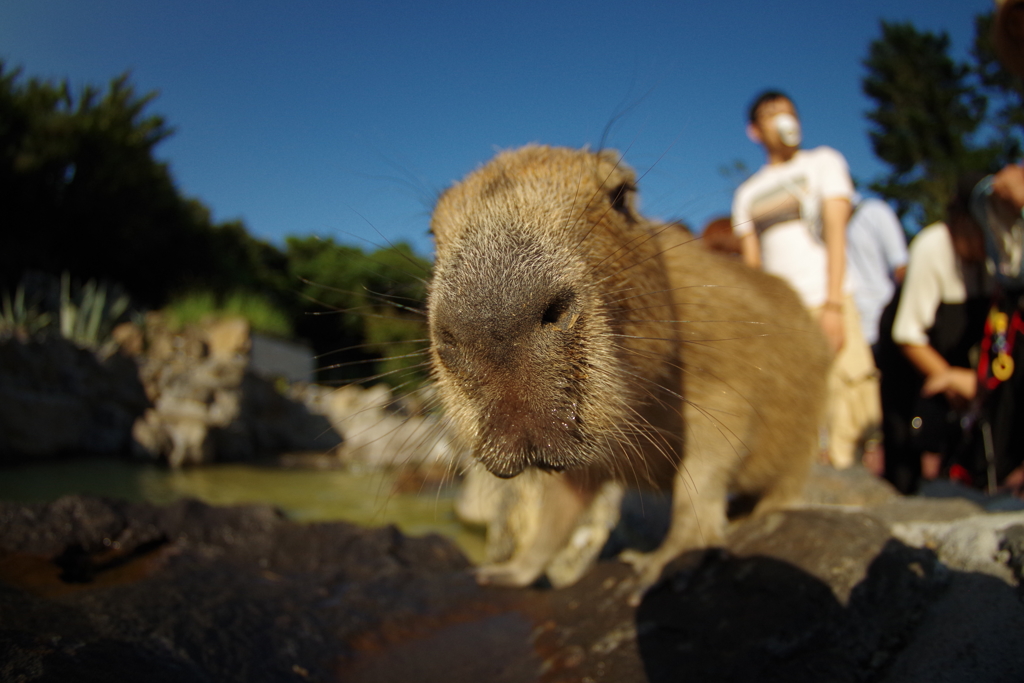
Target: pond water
x: 303, y: 495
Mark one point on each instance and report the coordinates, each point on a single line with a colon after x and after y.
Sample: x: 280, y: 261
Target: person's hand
x: 1008, y: 185
x: 958, y: 385
x: 1014, y: 482
x: 831, y: 320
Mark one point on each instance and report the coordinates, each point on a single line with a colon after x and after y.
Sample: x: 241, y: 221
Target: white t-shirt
x: 782, y: 203
x: 934, y: 276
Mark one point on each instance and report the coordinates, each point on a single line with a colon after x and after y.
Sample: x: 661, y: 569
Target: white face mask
x: 789, y: 129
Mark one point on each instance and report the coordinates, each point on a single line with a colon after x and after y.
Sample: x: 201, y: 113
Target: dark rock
x: 736, y: 618
x: 945, y: 488
x: 189, y: 398
x: 834, y: 546
x: 195, y: 592
x: 916, y: 509
x: 852, y: 486
x: 971, y: 632
x: 1013, y: 544
x: 100, y: 590
x: 742, y: 618
x: 56, y: 398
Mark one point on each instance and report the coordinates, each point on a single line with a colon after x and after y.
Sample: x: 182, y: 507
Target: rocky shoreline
x: 859, y: 585
x: 194, y: 396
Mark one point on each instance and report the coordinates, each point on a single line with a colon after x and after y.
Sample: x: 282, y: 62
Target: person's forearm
x: 1008, y: 184
x: 925, y: 358
x: 835, y: 213
x: 959, y: 385
x: 750, y: 250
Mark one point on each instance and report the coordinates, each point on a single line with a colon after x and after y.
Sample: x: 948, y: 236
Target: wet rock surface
x: 102, y: 590
x: 203, y: 593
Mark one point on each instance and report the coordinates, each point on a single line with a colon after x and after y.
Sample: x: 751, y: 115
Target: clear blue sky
x: 327, y: 118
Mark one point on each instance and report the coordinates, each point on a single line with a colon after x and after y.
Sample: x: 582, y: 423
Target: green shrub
x: 191, y: 309
x: 263, y: 316
x: 88, y: 317
x: 83, y: 314
x: 18, y: 318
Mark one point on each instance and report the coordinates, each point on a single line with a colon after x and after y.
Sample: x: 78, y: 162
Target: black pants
x: 911, y: 424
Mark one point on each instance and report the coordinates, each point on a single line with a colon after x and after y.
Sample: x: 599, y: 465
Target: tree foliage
x: 926, y: 113
x: 936, y: 119
x: 1005, y: 92
x: 360, y: 307
x: 83, y: 194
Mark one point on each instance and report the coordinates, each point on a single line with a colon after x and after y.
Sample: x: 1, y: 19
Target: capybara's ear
x: 612, y: 156
x: 618, y: 173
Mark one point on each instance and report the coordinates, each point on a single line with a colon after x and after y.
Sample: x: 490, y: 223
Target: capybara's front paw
x: 510, y: 574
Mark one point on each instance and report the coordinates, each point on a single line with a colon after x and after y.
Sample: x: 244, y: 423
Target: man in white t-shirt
x: 791, y: 218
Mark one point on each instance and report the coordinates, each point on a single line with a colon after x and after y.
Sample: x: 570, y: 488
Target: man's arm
x: 835, y: 212
x: 1008, y: 185
x: 958, y: 384
x: 750, y: 249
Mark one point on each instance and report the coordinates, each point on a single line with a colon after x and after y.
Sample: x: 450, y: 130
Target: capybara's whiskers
x: 391, y: 245
x: 397, y: 372
x: 629, y: 248
x: 367, y: 361
x: 358, y: 347
x: 603, y: 184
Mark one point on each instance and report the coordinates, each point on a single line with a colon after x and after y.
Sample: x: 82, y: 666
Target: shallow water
x: 304, y: 495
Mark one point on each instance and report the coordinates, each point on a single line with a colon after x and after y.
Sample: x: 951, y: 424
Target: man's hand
x: 1008, y: 185
x: 958, y: 385
x: 831, y: 319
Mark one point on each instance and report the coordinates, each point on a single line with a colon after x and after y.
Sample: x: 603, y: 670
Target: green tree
x: 83, y: 193
x: 924, y: 120
x: 396, y: 329
x: 1004, y: 91
x: 363, y: 311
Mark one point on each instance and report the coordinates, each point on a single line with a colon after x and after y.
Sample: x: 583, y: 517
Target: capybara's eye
x: 618, y: 196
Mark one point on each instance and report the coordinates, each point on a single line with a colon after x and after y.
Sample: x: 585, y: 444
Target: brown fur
x: 570, y: 334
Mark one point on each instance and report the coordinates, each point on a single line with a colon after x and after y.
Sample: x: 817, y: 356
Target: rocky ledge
x: 893, y: 589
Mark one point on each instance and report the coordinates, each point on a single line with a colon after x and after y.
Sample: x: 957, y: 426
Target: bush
x: 19, y: 318
x: 263, y: 316
x: 88, y: 316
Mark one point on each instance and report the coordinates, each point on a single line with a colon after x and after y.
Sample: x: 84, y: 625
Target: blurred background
x: 166, y: 164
